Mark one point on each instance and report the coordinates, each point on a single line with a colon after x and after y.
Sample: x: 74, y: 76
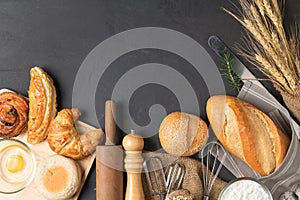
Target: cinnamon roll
x: 13, y: 114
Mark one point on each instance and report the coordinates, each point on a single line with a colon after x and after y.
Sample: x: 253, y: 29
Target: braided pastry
x: 13, y: 114
x: 64, y: 139
x: 42, y: 105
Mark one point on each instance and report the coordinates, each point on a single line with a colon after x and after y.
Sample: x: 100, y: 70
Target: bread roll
x: 58, y: 177
x: 182, y: 194
x: 182, y: 134
x: 247, y: 133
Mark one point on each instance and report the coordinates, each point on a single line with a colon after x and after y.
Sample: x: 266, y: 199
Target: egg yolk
x: 15, y: 163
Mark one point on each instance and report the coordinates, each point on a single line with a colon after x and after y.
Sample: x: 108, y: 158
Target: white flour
x: 245, y: 190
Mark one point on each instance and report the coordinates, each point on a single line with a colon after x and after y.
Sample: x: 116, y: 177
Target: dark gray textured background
x: 59, y: 34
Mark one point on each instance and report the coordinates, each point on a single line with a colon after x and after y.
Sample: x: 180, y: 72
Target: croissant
x: 13, y: 114
x: 42, y: 105
x: 64, y: 139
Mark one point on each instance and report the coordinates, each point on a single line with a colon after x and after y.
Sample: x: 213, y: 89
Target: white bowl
x: 245, y: 188
x: 17, y: 165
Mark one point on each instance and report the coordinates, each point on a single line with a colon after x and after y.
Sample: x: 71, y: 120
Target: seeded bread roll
x: 247, y: 133
x: 58, y: 177
x: 182, y: 134
x: 181, y: 194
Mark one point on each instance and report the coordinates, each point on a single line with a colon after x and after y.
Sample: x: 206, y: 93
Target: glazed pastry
x: 64, y: 139
x: 42, y: 105
x: 13, y: 114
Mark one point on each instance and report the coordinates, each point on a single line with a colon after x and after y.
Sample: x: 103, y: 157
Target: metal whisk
x: 155, y: 176
x: 175, y: 174
x: 213, y: 154
x: 159, y: 182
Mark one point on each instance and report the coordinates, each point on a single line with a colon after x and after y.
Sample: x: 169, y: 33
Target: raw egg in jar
x: 17, y: 165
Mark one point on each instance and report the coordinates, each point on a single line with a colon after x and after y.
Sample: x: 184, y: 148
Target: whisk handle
x: 206, y: 197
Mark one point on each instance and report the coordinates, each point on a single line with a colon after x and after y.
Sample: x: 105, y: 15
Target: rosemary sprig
x: 228, y: 72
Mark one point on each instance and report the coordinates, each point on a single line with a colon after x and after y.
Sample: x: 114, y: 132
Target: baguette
x: 247, y: 133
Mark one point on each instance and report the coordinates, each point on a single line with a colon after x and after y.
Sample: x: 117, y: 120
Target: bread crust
x: 230, y: 119
x: 281, y: 141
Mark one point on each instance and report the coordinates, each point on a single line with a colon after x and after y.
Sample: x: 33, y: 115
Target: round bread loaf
x: 183, y: 134
x: 58, y: 177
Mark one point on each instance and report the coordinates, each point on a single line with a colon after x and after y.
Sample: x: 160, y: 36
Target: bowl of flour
x: 245, y: 189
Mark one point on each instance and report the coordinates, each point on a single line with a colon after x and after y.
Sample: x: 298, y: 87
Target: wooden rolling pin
x: 109, y: 161
x: 134, y: 144
x: 110, y: 123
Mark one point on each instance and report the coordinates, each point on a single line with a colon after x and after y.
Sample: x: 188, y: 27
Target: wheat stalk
x: 294, y: 46
x: 258, y: 60
x: 273, y: 73
x: 267, y: 45
x: 276, y: 18
x: 261, y: 34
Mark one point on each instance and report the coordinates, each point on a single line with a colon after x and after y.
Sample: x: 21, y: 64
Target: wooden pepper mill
x: 133, y: 145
